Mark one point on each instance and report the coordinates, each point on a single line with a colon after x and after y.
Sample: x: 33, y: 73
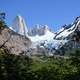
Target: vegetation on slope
x: 2, y: 22
x: 19, y: 67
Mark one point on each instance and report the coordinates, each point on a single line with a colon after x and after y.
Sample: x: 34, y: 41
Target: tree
x: 13, y: 67
x: 2, y: 20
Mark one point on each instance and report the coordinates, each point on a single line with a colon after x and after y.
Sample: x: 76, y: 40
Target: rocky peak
x: 77, y: 19
x: 19, y: 25
x: 46, y: 28
x: 38, y: 30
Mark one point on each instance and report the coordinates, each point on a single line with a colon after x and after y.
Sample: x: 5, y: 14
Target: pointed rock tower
x: 19, y: 25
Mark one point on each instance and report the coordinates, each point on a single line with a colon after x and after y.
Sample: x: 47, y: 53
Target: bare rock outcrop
x: 13, y: 41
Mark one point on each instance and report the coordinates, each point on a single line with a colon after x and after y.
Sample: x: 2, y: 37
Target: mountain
x: 13, y: 41
x: 19, y: 25
x: 46, y: 42
x: 41, y: 33
x: 38, y: 30
x: 68, y: 30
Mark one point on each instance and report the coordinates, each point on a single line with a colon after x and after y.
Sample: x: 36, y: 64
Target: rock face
x: 39, y: 30
x: 13, y: 41
x: 67, y: 31
x: 19, y: 25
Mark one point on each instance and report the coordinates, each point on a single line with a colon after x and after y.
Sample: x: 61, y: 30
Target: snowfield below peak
x: 47, y: 36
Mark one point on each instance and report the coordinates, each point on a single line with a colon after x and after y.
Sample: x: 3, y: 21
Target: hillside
x: 13, y: 41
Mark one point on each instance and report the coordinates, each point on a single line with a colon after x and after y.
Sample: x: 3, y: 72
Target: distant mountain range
x: 43, y: 40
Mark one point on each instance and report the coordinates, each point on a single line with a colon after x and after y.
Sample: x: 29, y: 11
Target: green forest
x: 20, y: 67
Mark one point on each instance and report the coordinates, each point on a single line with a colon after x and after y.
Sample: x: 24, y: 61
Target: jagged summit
x: 39, y: 30
x: 68, y: 30
x: 77, y: 19
x: 42, y: 32
x: 19, y: 25
x: 46, y: 28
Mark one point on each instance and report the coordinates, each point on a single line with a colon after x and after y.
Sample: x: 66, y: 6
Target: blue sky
x: 54, y: 13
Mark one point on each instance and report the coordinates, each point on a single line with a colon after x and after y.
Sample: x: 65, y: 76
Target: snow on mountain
x: 63, y: 33
x: 39, y: 33
x: 60, y: 30
x: 42, y: 37
x: 48, y: 36
x: 66, y: 32
x: 51, y: 42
